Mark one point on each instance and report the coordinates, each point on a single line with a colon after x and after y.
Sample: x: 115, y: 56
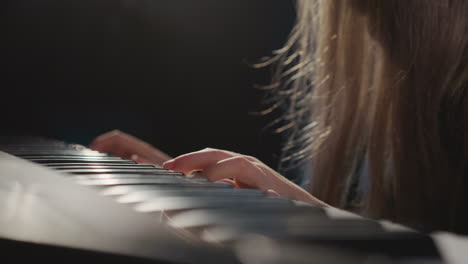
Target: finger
x: 272, y: 193
x: 230, y: 181
x: 198, y: 160
x: 141, y: 160
x: 98, y: 141
x: 113, y: 142
x: 245, y: 172
x: 241, y: 184
x: 125, y: 145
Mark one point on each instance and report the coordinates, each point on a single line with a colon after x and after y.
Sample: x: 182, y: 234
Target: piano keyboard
x: 193, y: 219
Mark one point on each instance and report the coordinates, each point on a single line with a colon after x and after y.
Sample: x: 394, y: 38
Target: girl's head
x: 386, y: 83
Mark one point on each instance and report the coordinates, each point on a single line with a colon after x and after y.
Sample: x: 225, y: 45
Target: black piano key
x: 42, y: 147
x: 148, y: 194
x: 152, y: 181
x: 121, y: 190
x: 194, y: 193
x: 96, y: 165
x: 37, y: 153
x: 185, y: 203
x: 91, y: 166
x: 148, y: 171
x: 308, y: 230
x: 165, y: 175
x: 39, y: 148
x: 72, y: 158
x: 245, y: 215
x: 81, y: 160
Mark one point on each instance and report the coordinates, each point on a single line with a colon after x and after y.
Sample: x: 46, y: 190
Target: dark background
x: 173, y: 72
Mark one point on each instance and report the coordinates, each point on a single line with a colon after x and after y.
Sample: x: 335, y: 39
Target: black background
x: 173, y: 72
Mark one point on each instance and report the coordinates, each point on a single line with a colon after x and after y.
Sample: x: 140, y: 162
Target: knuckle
x: 208, y: 149
x: 250, y: 158
x: 216, y: 152
x: 241, y: 161
x: 116, y: 136
x: 115, y: 132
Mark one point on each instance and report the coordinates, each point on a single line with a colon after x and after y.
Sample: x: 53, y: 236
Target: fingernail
x: 135, y: 158
x: 272, y: 193
x: 231, y: 182
x: 169, y: 164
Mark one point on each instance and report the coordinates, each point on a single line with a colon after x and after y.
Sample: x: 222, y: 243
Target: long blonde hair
x: 382, y: 81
